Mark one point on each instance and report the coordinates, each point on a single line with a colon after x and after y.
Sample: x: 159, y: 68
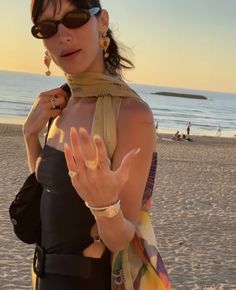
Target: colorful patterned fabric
x: 140, y: 266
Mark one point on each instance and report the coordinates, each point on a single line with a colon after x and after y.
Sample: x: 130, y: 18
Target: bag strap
x: 48, y: 128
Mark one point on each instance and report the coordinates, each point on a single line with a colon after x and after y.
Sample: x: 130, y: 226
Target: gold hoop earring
x: 47, y: 62
x: 104, y: 43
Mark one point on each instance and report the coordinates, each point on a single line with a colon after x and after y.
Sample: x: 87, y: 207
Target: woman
x: 97, y: 167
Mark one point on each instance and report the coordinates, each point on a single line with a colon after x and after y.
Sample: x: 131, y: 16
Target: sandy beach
x: 193, y: 211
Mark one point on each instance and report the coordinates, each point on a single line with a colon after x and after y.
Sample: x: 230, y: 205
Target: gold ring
x: 72, y: 173
x: 53, y: 103
x: 91, y: 164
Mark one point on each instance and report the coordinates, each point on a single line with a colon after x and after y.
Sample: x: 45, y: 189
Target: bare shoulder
x: 135, y: 110
x: 136, y: 128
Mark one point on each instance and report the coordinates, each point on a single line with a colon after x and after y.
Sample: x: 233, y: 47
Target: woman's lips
x: 70, y: 54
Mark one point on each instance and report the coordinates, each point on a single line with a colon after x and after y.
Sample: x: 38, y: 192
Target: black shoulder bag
x: 25, y: 209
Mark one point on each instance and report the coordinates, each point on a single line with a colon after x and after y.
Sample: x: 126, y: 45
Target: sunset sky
x: 176, y: 43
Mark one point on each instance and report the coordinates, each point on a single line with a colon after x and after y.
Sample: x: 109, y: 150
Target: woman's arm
x: 127, y: 179
x: 37, y: 119
x: 136, y: 129
x: 33, y: 149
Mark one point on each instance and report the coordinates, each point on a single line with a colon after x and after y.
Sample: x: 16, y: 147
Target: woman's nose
x: 64, y: 33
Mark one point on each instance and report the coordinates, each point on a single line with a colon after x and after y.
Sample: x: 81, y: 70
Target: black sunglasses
x: 73, y: 19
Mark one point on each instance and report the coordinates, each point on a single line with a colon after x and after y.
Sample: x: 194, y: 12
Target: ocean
x: 18, y: 91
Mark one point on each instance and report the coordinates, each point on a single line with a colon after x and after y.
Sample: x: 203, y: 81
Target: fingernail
x: 96, y: 137
x: 137, y: 151
x: 73, y: 129
x: 82, y: 130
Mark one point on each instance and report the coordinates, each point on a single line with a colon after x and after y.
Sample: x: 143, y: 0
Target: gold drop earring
x: 104, y: 43
x: 47, y: 61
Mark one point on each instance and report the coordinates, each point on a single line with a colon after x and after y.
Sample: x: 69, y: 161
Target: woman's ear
x: 103, y: 21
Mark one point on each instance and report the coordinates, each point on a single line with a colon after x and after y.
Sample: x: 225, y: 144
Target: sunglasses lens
x: 76, y: 18
x: 45, y: 29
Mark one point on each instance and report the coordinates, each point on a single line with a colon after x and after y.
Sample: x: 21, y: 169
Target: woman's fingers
x: 53, y: 102
x: 54, y: 113
x: 56, y: 98
x: 123, y: 172
x: 76, y: 150
x: 69, y: 158
x: 87, y: 147
x: 71, y: 164
x: 103, y: 159
x: 47, y: 105
x: 55, y: 92
x: 95, y: 183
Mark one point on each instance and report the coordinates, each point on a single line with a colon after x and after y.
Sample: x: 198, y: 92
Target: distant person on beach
x: 156, y: 127
x: 176, y: 136
x: 180, y: 137
x: 218, y: 131
x: 98, y: 166
x: 188, y: 129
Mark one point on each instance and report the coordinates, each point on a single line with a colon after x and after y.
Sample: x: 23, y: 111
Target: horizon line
x: 130, y: 82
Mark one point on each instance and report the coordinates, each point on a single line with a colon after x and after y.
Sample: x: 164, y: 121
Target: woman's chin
x: 72, y: 70
x: 78, y: 69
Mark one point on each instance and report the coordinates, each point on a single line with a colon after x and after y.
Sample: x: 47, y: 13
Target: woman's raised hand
x: 47, y: 104
x: 90, y: 169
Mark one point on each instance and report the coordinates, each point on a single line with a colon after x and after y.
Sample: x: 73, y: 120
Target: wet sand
x: 193, y: 211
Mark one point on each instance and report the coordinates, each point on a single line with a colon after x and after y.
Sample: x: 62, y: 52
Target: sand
x: 193, y: 211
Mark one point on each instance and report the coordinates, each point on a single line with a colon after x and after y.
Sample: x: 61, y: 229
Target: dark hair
x: 115, y: 61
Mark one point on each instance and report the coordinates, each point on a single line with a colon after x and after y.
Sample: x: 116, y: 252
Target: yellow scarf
x: 109, y: 90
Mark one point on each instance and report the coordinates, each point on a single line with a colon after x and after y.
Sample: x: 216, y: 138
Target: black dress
x: 66, y: 225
